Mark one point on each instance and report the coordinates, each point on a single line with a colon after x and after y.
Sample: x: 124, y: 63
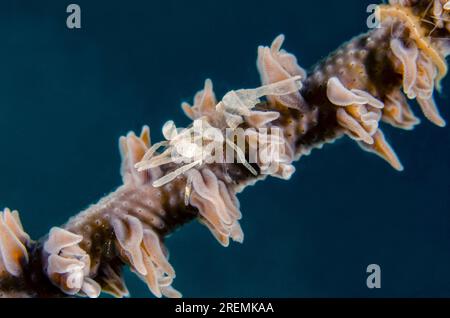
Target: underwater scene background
x: 67, y: 95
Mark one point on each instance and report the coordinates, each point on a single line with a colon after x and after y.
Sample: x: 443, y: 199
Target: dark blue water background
x: 67, y: 95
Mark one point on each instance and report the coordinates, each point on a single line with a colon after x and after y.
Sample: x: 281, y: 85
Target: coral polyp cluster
x: 189, y: 176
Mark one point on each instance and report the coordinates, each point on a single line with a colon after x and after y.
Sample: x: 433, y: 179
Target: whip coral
x: 247, y: 135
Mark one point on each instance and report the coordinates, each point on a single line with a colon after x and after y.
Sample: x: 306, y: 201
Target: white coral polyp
x: 141, y: 248
x: 13, y: 243
x: 218, y: 207
x: 359, y: 113
x: 67, y: 265
x: 419, y: 77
